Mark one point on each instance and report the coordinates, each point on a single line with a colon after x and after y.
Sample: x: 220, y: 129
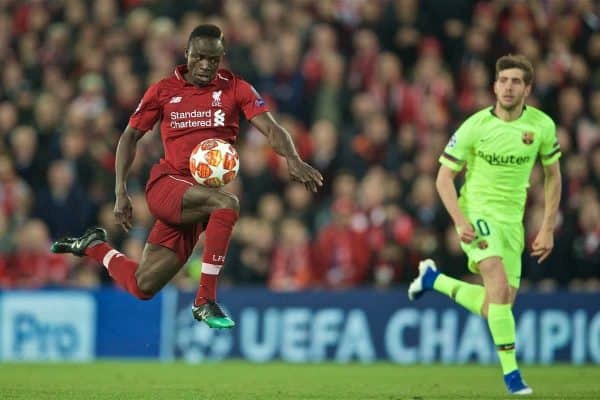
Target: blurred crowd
x: 371, y: 90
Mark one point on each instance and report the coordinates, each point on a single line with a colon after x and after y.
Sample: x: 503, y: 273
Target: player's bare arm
x: 282, y: 143
x: 124, y: 158
x: 447, y: 191
x: 544, y: 241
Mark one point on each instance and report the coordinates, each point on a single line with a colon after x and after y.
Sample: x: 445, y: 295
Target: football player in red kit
x: 199, y: 101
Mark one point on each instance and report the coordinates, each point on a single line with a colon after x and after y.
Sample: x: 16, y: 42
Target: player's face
x: 510, y: 88
x: 203, y: 57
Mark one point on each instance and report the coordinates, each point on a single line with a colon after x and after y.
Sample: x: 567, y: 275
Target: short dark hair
x: 516, y: 61
x: 207, y: 31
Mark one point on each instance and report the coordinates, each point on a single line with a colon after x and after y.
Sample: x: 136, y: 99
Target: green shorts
x: 495, y: 239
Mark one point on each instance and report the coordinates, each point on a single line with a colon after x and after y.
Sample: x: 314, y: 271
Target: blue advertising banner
x: 78, y: 325
x: 356, y: 325
x: 367, y: 325
x: 127, y: 327
x: 47, y: 326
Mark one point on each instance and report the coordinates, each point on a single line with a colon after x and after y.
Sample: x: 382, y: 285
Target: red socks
x: 120, y: 267
x: 218, y: 233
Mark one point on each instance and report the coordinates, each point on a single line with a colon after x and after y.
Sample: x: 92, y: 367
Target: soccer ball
x: 214, y: 163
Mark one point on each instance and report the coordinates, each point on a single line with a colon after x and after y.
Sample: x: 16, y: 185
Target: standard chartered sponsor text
x: 191, y: 119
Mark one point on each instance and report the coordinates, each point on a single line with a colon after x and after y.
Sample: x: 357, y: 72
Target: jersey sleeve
x: 549, y: 148
x: 249, y: 100
x: 147, y: 112
x: 459, y: 146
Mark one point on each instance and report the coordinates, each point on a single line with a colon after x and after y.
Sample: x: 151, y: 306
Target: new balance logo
x: 200, y: 314
x: 218, y: 259
x: 175, y: 99
x: 219, y: 118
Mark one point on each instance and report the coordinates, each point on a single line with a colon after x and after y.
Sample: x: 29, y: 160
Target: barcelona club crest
x: 527, y: 137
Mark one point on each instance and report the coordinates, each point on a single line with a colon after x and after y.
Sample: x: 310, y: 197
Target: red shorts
x: 164, y: 194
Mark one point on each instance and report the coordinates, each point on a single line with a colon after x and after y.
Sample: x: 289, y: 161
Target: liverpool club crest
x: 216, y: 96
x: 527, y: 137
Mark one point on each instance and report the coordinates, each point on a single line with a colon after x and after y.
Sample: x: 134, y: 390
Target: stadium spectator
x: 15, y: 194
x: 342, y: 252
x: 63, y: 205
x: 8, y: 120
x: 291, y: 266
x: 586, y: 246
x: 361, y: 71
x: 252, y: 258
x: 299, y: 204
x: 371, y: 147
x: 31, y: 264
x: 326, y: 154
x: 26, y: 155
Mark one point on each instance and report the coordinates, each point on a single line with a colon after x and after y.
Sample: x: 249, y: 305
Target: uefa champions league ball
x: 214, y: 163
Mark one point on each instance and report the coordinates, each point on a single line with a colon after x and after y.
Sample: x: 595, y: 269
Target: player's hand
x: 124, y: 211
x: 466, y: 231
x: 304, y: 173
x: 542, y: 245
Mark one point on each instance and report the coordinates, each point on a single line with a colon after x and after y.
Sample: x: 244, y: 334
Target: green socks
x: 502, y: 327
x: 500, y: 317
x: 467, y: 295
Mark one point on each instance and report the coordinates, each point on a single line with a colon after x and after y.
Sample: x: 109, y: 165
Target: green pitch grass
x: 240, y: 380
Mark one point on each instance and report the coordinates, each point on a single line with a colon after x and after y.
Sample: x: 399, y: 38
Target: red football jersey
x: 189, y: 114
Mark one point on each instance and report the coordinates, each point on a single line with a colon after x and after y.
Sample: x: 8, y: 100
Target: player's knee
x: 228, y: 200
x: 146, y: 286
x: 499, y: 293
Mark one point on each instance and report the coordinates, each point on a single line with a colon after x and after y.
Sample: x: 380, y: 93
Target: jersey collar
x: 495, y: 116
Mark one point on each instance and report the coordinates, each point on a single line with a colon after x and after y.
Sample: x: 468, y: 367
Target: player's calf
x: 148, y: 284
x: 93, y: 244
x: 157, y: 267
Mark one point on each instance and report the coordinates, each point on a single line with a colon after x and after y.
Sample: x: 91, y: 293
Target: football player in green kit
x: 498, y: 146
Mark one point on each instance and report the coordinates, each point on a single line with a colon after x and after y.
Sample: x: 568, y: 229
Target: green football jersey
x: 499, y: 156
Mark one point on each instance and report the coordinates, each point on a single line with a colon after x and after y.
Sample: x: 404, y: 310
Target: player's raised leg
x: 221, y: 210
x: 157, y: 267
x: 501, y: 322
x: 468, y: 295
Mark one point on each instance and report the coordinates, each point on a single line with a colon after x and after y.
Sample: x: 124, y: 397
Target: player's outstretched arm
x: 445, y: 187
x: 282, y: 143
x: 124, y: 158
x: 544, y: 241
